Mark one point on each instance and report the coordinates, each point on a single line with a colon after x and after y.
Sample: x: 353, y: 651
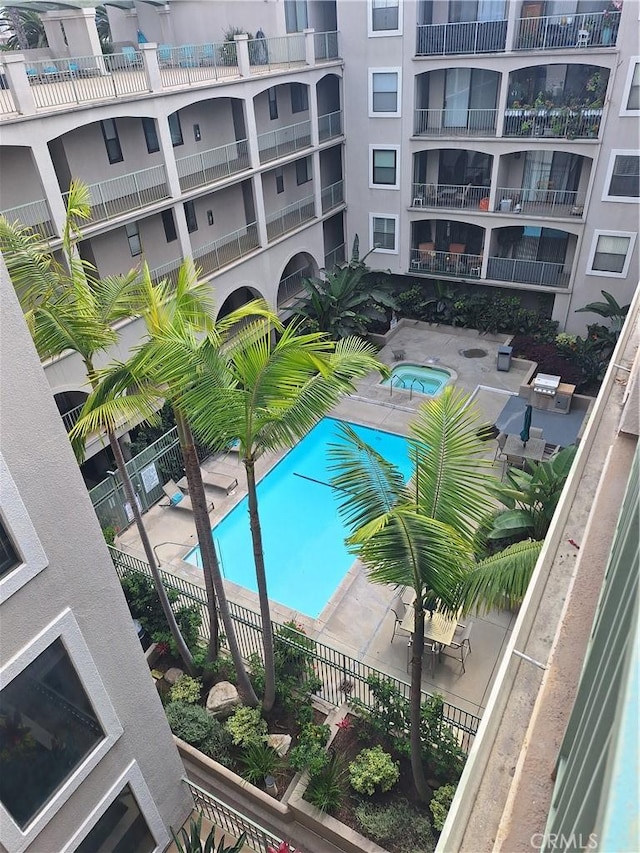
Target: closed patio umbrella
x: 526, y: 426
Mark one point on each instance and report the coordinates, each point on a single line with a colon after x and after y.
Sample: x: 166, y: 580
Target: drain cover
x: 474, y: 353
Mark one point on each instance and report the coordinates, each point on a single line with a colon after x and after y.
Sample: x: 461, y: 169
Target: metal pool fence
x: 343, y: 678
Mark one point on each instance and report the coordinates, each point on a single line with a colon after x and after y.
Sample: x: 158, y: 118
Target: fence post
x: 16, y: 73
x: 151, y: 66
x: 309, y: 46
x: 242, y: 52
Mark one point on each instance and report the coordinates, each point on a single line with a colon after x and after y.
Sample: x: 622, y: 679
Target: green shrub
x: 187, y: 690
x: 310, y: 753
x: 399, y: 822
x: 440, y: 804
x: 259, y: 760
x: 373, y: 770
x: 326, y: 789
x: 109, y: 534
x: 193, y: 724
x: 246, y: 726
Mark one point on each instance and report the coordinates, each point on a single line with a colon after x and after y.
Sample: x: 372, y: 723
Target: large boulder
x: 222, y: 700
x: 173, y: 674
x: 279, y: 743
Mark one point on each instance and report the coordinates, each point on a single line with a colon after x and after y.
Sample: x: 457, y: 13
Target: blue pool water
x: 421, y: 378
x: 303, y: 535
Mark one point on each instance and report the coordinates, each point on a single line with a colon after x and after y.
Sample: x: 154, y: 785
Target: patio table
x: 533, y: 449
x: 438, y: 628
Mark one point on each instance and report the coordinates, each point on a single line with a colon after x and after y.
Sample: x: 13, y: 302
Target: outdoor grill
x: 546, y: 383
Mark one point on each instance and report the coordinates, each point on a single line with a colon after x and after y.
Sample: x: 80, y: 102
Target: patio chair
x: 177, y: 499
x: 219, y: 480
x: 461, y: 643
x: 132, y: 59
x: 399, y: 609
x: 500, y: 443
x: 164, y: 55
x: 535, y: 432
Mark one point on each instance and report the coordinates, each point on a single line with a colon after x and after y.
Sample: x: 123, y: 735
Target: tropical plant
x: 191, y: 841
x: 310, y: 752
x: 373, y: 770
x: 420, y: 535
x: 258, y: 761
x: 326, y: 789
x: 26, y: 28
x: 345, y: 301
x: 268, y: 388
x: 68, y: 308
x: 610, y: 309
x: 441, y: 803
x: 246, y: 726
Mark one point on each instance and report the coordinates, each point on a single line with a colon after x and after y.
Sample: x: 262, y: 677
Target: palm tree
x: 418, y: 535
x: 266, y: 394
x: 26, y: 27
x: 183, y: 311
x: 68, y: 308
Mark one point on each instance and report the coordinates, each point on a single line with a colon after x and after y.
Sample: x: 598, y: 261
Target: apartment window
x: 111, y: 140
x: 631, y: 94
x: 295, y: 15
x: 169, y: 225
x: 279, y: 173
x: 385, y: 17
x: 302, y: 171
x: 383, y: 233
x: 384, y: 167
x: 299, y: 98
x: 121, y: 827
x: 623, y: 177
x: 150, y: 135
x: 8, y: 556
x: 384, y: 92
x: 53, y: 727
x: 273, y: 103
x: 175, y: 128
x: 190, y: 214
x: 611, y: 253
x: 133, y: 236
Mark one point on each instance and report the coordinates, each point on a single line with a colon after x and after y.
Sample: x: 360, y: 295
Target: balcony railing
x: 167, y: 271
x: 330, y: 125
x: 455, y: 122
x: 560, y: 123
x: 325, y: 46
x: 451, y: 196
x: 6, y: 99
x: 445, y: 263
x: 213, y: 165
x: 225, y: 250
x: 539, y: 202
x: 34, y: 215
x: 528, y: 272
x: 291, y: 285
x: 70, y: 418
x: 126, y: 193
x: 290, y: 217
x: 332, y: 196
x: 334, y: 257
x: 285, y: 140
x: 277, y: 53
x: 589, y: 29
x: 196, y: 63
x: 465, y: 37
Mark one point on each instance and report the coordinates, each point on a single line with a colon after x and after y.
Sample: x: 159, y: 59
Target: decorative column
x: 309, y: 46
x: 242, y: 53
x: 150, y: 59
x: 16, y: 73
x: 49, y: 180
x: 166, y: 147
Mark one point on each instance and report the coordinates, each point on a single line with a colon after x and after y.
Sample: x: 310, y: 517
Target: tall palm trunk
x: 210, y: 565
x: 415, y: 702
x: 14, y: 16
x: 169, y: 615
x: 261, y: 578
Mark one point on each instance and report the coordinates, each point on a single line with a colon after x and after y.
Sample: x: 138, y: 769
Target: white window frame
x: 382, y: 33
x: 396, y: 219
x: 133, y: 777
x: 617, y: 152
x: 594, y: 245
x: 633, y: 61
x: 398, y: 112
x: 396, y: 185
x: 67, y: 629
x: 15, y: 518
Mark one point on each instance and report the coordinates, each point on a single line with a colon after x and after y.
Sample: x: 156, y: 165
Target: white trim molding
x: 631, y: 235
x: 390, y: 216
x: 133, y: 777
x: 618, y: 152
x: 16, y: 521
x: 391, y: 113
x: 382, y: 147
x: 383, y: 33
x: 65, y: 628
x: 634, y: 62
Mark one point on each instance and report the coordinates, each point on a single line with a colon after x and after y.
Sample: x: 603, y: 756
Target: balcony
x: 560, y: 123
x: 450, y: 196
x: 167, y: 271
x: 291, y: 287
x: 325, y: 46
x: 70, y: 418
x: 332, y: 196
x: 227, y: 249
x: 455, y: 264
x: 290, y: 217
x: 34, y: 215
x: 443, y: 122
x: 213, y: 165
x: 467, y: 37
x: 539, y: 202
x: 334, y: 257
x: 550, y: 274
x: 283, y: 141
x: 568, y: 32
x: 127, y: 193
x: 330, y: 125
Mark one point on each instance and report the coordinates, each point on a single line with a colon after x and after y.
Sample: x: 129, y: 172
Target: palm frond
x: 501, y: 580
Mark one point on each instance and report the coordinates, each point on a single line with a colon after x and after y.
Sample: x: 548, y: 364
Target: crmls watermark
x: 559, y: 841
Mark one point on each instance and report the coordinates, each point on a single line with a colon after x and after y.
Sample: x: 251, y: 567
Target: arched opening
x: 456, y: 102
x: 23, y: 198
x: 531, y: 255
x: 543, y: 183
x: 300, y: 266
x: 69, y: 405
x: 282, y: 120
x: 237, y: 298
x: 447, y: 247
x: 329, y: 107
x: 451, y: 177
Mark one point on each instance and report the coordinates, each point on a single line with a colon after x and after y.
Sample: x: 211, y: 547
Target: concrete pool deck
x: 357, y: 620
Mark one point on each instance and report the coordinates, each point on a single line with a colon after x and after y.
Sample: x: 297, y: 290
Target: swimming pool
x: 303, y: 535
x: 422, y: 379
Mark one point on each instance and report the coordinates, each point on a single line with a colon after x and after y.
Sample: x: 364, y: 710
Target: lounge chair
x: 178, y: 499
x: 219, y: 480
